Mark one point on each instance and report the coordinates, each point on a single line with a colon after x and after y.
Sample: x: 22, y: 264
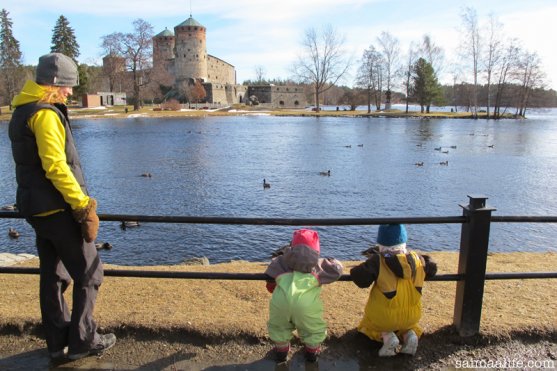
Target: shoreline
x: 118, y: 112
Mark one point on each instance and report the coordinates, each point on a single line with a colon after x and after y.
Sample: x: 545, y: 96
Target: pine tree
x: 10, y: 58
x: 63, y: 39
x: 426, y: 87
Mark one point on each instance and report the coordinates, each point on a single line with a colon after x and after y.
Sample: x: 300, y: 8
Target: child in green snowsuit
x: 295, y: 279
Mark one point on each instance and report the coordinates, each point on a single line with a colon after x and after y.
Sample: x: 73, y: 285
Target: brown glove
x: 89, y: 220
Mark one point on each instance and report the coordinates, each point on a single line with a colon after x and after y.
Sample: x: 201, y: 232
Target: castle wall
x: 278, y: 96
x: 224, y: 94
x: 219, y: 71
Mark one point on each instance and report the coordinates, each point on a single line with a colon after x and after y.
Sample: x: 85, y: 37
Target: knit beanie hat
x: 306, y: 237
x: 57, y: 69
x: 392, y: 236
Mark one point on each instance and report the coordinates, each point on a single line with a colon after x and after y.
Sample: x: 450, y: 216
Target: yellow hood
x: 31, y: 92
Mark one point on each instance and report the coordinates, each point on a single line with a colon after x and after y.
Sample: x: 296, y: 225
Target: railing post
x: 474, y: 243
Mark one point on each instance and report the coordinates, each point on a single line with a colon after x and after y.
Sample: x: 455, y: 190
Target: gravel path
x: 151, y: 349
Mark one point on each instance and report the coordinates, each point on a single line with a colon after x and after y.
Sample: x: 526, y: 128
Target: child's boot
x: 410, y: 345
x: 312, y: 352
x: 390, y: 344
x: 281, y: 352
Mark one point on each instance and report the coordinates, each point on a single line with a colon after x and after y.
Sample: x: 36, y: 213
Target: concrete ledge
x: 7, y: 259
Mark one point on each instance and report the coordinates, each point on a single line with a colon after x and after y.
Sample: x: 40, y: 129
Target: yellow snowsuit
x: 394, y: 303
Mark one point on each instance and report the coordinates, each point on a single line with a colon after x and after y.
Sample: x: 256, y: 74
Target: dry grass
x: 240, y: 307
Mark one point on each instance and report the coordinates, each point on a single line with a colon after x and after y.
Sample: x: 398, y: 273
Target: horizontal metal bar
x: 303, y: 221
x: 267, y: 221
x: 261, y: 276
x: 283, y: 221
x: 524, y: 219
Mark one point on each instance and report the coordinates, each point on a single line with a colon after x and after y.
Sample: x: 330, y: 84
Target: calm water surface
x: 215, y: 167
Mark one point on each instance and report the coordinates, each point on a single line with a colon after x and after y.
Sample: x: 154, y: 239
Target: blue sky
x: 248, y: 33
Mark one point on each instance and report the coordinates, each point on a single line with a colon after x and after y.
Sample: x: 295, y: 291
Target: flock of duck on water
x: 14, y: 234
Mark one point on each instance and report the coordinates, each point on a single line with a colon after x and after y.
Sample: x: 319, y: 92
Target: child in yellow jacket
x: 394, y: 306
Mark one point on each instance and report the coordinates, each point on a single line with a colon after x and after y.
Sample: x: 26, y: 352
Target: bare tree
x: 198, y: 92
x: 259, y: 74
x: 322, y: 63
x: 493, y: 54
x: 432, y: 53
x: 136, y: 49
x: 411, y: 58
x: 472, y: 49
x: 390, y: 50
x: 369, y: 76
x: 531, y: 77
x: 508, y: 64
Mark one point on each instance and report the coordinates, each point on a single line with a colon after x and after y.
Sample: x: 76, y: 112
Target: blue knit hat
x: 391, y: 235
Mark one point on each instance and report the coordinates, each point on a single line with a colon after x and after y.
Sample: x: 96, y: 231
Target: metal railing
x: 474, y: 242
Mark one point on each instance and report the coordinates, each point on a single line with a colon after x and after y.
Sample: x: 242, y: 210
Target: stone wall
x: 219, y: 71
x: 224, y: 94
x: 273, y: 96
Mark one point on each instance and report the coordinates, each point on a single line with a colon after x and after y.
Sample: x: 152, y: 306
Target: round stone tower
x: 163, y: 47
x: 190, y: 50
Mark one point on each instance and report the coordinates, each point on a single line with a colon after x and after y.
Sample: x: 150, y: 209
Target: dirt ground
x: 192, y: 324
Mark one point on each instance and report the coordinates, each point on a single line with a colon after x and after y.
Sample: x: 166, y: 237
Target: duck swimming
x: 129, y: 224
x: 325, y: 173
x: 13, y: 233
x: 265, y: 184
x: 103, y: 246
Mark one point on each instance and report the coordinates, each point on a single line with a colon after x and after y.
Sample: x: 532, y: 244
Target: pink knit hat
x: 306, y: 237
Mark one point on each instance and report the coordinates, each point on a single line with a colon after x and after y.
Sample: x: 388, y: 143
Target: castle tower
x: 190, y: 50
x: 163, y: 47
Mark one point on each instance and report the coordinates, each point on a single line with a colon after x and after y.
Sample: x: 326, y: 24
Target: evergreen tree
x: 10, y: 58
x: 63, y: 39
x: 426, y: 88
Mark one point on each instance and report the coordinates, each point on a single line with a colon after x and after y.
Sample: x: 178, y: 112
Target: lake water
x: 215, y: 166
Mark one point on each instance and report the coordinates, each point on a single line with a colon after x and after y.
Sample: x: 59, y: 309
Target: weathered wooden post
x: 474, y: 243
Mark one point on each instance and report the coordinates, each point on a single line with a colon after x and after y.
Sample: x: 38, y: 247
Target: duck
x: 325, y: 173
x: 360, y: 145
x: 13, y: 233
x: 437, y: 148
x: 128, y: 224
x: 349, y: 146
x: 444, y: 151
x: 491, y: 146
x: 265, y: 184
x: 446, y: 163
x: 146, y: 175
x: 103, y: 246
x: 9, y: 207
x: 421, y: 163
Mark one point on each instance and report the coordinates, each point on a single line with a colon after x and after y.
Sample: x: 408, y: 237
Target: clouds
x: 247, y: 33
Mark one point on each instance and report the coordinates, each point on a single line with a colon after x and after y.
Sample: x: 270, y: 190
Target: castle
x: 182, y: 54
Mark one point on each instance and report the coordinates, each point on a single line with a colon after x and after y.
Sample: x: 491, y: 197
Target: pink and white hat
x: 307, y: 237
